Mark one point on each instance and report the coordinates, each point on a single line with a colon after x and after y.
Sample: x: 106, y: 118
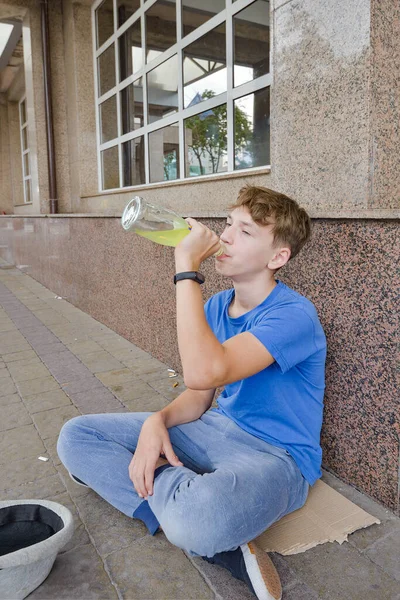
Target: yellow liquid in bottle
x: 169, y: 237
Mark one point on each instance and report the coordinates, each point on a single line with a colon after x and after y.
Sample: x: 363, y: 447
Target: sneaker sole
x: 261, y: 570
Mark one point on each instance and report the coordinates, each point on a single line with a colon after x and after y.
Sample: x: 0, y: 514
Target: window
x: 26, y: 169
x: 182, y: 88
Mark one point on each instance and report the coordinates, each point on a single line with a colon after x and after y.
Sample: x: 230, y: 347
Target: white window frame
x: 228, y: 97
x: 23, y: 126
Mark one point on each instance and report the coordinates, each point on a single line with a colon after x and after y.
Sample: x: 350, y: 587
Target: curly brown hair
x: 291, y: 223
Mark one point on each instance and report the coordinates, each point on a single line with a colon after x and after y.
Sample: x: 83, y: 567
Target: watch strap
x: 193, y: 275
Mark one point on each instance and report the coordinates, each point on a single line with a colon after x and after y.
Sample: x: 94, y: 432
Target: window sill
x: 180, y: 182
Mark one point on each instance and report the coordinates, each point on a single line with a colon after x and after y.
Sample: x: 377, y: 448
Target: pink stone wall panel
x: 348, y: 270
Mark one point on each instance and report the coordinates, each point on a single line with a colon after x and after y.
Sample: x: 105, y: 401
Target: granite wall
x: 348, y: 270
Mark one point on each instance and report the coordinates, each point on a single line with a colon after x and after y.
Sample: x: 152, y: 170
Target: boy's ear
x: 279, y: 259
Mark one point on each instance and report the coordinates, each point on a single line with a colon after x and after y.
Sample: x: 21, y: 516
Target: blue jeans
x: 231, y: 488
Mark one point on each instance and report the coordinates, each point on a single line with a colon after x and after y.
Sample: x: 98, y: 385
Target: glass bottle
x: 156, y: 223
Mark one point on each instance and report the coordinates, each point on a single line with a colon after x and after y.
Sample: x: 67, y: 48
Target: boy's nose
x: 226, y: 236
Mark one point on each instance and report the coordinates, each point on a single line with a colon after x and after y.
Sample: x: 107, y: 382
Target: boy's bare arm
x: 206, y: 362
x: 188, y: 406
x: 154, y: 438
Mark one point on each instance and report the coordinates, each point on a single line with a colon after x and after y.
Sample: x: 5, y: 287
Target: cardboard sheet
x: 327, y: 516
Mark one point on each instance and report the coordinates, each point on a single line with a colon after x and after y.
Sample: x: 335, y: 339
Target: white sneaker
x: 262, y: 572
x: 253, y: 566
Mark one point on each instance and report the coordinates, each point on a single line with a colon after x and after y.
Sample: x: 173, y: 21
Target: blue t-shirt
x: 282, y: 404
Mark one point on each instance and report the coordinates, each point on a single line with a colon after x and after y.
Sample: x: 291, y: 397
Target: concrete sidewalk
x: 58, y: 362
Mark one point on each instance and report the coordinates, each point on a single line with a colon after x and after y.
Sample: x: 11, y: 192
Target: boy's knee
x: 69, y: 432
x: 195, y: 536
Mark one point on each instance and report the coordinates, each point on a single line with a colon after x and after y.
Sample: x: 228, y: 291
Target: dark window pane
x: 133, y: 162
x: 206, y: 142
x: 108, y: 119
x: 164, y: 153
x: 194, y: 16
x: 252, y: 130
x: 23, y: 112
x: 104, y: 21
x: 162, y: 90
x: 28, y: 197
x: 204, y: 67
x: 106, y: 71
x: 251, y: 42
x: 160, y: 28
x: 130, y: 51
x: 125, y: 9
x: 26, y: 165
x: 110, y: 168
x: 132, y: 107
x: 25, y: 138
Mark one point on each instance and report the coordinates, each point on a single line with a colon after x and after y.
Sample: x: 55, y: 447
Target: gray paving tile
x: 161, y: 375
x: 39, y: 335
x: 18, y: 365
x: 115, y: 377
x: 82, y: 385
x: 78, y: 573
x: 128, y: 357
x: 7, y: 326
x: 14, y: 415
x: 46, y: 401
x: 147, y: 365
x: 36, y: 386
x: 147, y: 403
x: 47, y: 315
x: 67, y: 334
x: 64, y: 357
x: 158, y: 566
x: 98, y: 362
x: 166, y: 387
x: 34, y: 370
x: 9, y: 399
x: 96, y: 400
x: 50, y: 349
x: 24, y: 322
x: 21, y: 442
x: 132, y: 390
x: 110, y: 529
x: 345, y: 574
x: 100, y: 406
x: 11, y: 347
x: 18, y: 472
x: 80, y: 536
x: 74, y: 490
x: 287, y: 575
x: 386, y: 554
x: 117, y: 343
x: 24, y: 355
x: 7, y: 387
x: 300, y: 591
x: 4, y: 376
x: 81, y: 347
x: 51, y: 447
x: 68, y: 373
x: 41, y: 488
x: 49, y: 422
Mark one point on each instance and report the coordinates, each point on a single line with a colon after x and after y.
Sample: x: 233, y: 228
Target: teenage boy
x: 215, y: 479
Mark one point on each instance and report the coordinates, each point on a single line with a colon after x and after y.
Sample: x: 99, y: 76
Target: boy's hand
x: 196, y: 247
x: 153, y: 441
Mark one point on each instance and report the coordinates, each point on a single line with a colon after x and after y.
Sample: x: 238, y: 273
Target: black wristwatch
x: 194, y: 275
